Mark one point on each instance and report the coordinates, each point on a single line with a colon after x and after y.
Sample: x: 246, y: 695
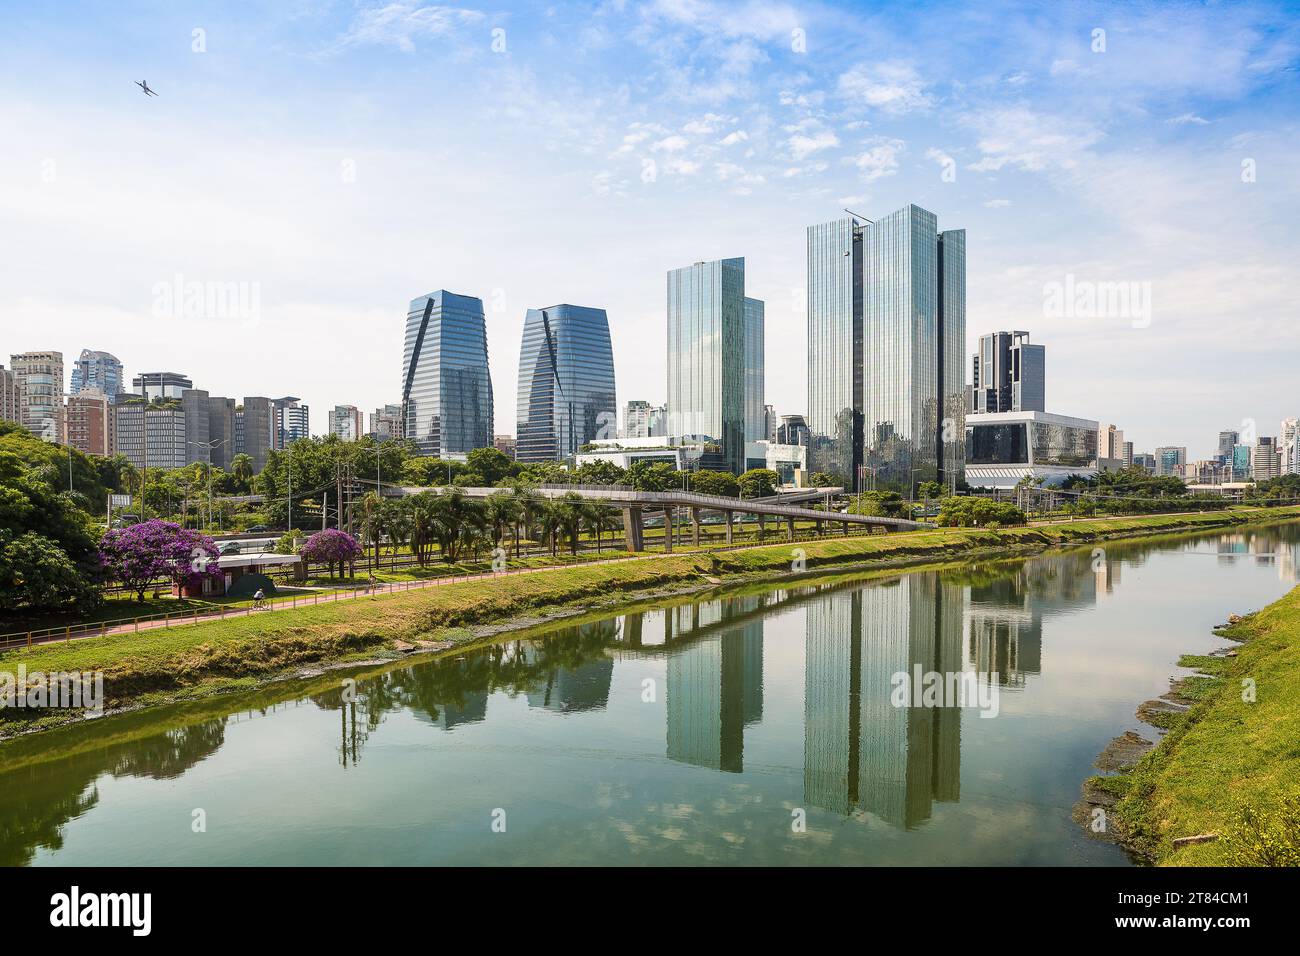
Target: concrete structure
x: 255, y: 430
x: 345, y: 422
x: 1289, y: 447
x: 1110, y: 448
x: 506, y: 445
x: 755, y: 371
x: 689, y: 506
x: 1008, y: 375
x: 91, y: 423
x: 39, y: 379
x: 886, y: 340
x: 221, y: 431
x: 790, y: 462
x: 659, y: 421
x: 793, y: 430
x: 1004, y: 447
x: 566, y: 395
x: 198, y: 423
x: 447, y: 404
x: 99, y: 372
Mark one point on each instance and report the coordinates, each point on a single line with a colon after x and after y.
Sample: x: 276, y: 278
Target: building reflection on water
x: 861, y: 754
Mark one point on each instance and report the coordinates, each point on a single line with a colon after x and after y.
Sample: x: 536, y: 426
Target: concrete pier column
x: 633, y: 528
x: 695, y: 526
x: 846, y: 527
x: 668, y: 529
x: 789, y: 528
x: 729, y: 518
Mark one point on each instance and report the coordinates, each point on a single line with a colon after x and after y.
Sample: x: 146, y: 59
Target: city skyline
x: 299, y: 183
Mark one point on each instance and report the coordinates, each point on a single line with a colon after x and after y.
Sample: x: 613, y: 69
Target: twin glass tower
x: 715, y: 358
x: 886, y: 344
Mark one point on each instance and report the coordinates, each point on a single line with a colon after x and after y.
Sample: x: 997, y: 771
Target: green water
x: 701, y: 732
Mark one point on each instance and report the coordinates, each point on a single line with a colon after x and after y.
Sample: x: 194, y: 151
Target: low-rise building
x: 1002, y: 448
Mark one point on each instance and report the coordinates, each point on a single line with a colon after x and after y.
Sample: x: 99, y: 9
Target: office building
x: 755, y: 407
x: 151, y: 434
x: 345, y: 422
x: 97, y: 372
x: 636, y: 420
x: 1265, y: 459
x: 1170, y: 460
x: 292, y: 421
x: 156, y: 385
x: 446, y: 384
x: 386, y: 422
x: 566, y: 383
x: 1110, y: 448
x: 1146, y: 461
x: 39, y: 378
x: 1128, y: 454
x: 708, y: 317
x: 91, y: 423
x: 886, y: 338
x: 1002, y: 448
x: 770, y: 422
x: 1241, y: 462
x: 1227, y: 442
x: 10, y: 408
x: 1007, y: 375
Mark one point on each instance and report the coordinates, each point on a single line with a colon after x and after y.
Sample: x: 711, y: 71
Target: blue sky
x: 338, y: 159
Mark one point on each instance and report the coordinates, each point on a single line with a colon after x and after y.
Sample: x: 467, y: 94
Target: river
x: 760, y: 727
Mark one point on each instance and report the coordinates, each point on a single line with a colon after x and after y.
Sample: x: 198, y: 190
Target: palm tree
x: 372, y: 520
x: 456, y: 519
x: 421, y: 518
x: 531, y: 508
x: 572, y: 513
x: 502, y: 510
x: 550, y: 518
x: 599, y: 518
x: 397, y: 526
x: 241, y: 466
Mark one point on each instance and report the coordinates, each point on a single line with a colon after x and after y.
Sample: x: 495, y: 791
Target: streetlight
x: 209, y: 445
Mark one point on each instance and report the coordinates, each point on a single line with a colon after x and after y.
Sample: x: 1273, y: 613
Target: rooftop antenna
x: 856, y: 216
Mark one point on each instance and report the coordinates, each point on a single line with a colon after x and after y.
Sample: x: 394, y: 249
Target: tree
x: 929, y: 489
x: 819, y: 479
x: 241, y: 467
x: 420, y: 522
x: 715, y: 483
x: 759, y: 483
x: 373, y: 516
x: 599, y: 518
x: 333, y: 548
x: 455, y: 521
x: 492, y: 464
x: 502, y: 511
x: 550, y: 518
x: 137, y: 555
x: 36, y: 573
x: 599, y: 472
x: 653, y: 476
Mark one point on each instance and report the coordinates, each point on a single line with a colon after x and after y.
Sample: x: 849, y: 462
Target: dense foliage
x: 973, y: 512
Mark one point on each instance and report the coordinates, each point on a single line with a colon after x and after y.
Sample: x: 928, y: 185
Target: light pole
x: 209, y: 445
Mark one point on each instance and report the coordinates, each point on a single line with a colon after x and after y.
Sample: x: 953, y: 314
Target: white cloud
x: 998, y: 203
x: 671, y: 144
x: 399, y: 24
x: 880, y: 160
x: 1187, y: 119
x: 801, y: 146
x: 893, y: 87
x: 732, y: 138
x: 1018, y: 137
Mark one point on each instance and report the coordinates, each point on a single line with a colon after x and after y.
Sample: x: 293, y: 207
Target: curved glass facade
x: 566, y: 383
x: 446, y: 385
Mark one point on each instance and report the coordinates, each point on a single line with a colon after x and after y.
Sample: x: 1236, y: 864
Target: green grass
x: 1228, y: 763
x: 197, y: 659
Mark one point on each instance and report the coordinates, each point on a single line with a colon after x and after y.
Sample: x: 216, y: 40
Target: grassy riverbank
x: 1229, y: 766
x: 199, y: 659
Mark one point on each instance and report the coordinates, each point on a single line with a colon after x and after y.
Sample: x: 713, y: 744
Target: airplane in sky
x: 144, y: 85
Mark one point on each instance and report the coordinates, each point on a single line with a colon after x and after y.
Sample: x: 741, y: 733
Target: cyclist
x: 259, y: 600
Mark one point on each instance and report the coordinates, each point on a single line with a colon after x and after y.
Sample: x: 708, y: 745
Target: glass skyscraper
x: 886, y: 337
x: 566, y: 383
x: 446, y: 385
x: 708, y: 385
x: 97, y: 372
x: 755, y: 409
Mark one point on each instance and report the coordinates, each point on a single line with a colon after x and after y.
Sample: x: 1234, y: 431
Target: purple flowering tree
x: 331, y: 547
x: 136, y: 556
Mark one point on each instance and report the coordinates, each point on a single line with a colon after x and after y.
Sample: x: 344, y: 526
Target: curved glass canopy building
x: 446, y: 385
x: 566, y: 382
